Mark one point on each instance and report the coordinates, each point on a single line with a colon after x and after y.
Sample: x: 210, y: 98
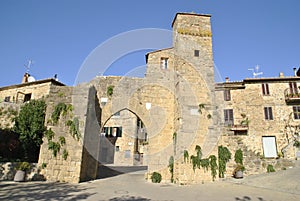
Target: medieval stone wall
x: 180, y: 106
x: 80, y: 163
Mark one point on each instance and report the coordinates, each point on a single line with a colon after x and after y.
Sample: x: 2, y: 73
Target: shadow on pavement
x: 129, y: 198
x: 246, y: 198
x: 41, y: 191
x: 106, y: 171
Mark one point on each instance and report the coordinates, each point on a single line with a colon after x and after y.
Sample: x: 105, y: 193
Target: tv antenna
x: 255, y: 72
x: 28, y: 66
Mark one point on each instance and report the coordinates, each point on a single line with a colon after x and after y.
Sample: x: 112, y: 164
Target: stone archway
x: 123, y: 140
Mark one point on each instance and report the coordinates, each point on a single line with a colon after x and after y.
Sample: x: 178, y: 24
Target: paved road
x: 279, y: 186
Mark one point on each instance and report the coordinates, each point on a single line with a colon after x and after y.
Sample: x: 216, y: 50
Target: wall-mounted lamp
x: 103, y: 101
x: 148, y: 106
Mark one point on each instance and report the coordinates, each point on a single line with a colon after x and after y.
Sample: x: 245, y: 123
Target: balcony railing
x: 239, y: 127
x: 291, y: 96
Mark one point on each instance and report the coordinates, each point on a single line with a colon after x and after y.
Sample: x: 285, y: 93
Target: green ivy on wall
x: 224, y: 156
x: 62, y: 109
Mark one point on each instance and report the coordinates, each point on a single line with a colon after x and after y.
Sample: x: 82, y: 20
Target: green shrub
x: 110, y: 90
x: 156, y: 177
x: 270, y: 168
x: 24, y: 166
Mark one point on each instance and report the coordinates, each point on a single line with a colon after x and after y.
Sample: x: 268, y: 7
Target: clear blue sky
x: 59, y: 34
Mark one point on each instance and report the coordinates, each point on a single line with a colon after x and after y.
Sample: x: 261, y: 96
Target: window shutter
x: 231, y: 116
x: 225, y: 116
x: 266, y: 112
x: 270, y: 113
x: 295, y: 87
x: 263, y: 89
x: 295, y: 112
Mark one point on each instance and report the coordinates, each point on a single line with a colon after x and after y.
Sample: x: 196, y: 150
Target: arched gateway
x: 145, y: 121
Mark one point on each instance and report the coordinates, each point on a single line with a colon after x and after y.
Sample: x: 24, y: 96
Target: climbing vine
x: 65, y: 154
x: 62, y: 109
x: 110, y: 90
x: 224, y: 156
x: 171, y: 168
x: 201, y: 107
x: 213, y: 166
x: 174, y: 142
x: 186, y: 156
x: 74, y: 128
x: 292, y: 134
x: 54, y: 146
x: 194, y: 161
x: 205, y: 163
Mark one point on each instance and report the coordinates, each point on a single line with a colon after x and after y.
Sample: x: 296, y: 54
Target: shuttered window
x: 296, y: 111
x: 265, y: 89
x: 228, y: 117
x: 227, y: 96
x: 268, y: 113
x: 293, y: 87
x: 164, y: 63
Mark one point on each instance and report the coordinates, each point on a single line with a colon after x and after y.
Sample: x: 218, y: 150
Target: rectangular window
x: 113, y: 131
x: 119, y: 131
x: 268, y: 113
x: 228, y: 117
x: 7, y: 99
x: 164, y: 63
x: 296, y: 111
x: 227, y: 95
x: 196, y: 53
x: 269, y: 146
x: 265, y: 89
x: 27, y: 97
x: 293, y: 87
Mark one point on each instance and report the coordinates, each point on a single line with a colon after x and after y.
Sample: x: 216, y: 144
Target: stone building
x: 28, y: 89
x: 159, y: 119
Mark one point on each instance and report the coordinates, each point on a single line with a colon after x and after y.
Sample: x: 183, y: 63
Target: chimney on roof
x: 227, y: 79
x: 281, y: 75
x: 25, y: 78
x: 298, y: 72
x: 295, y: 71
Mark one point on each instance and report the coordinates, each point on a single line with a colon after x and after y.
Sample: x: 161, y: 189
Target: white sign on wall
x: 269, y: 146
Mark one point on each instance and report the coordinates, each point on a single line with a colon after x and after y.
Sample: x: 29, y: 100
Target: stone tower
x: 192, y: 42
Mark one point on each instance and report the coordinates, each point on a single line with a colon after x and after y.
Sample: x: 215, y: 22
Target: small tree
x: 29, y: 124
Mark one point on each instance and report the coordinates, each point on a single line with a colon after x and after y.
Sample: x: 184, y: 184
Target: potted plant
x: 238, y: 171
x: 21, y: 168
x: 239, y: 168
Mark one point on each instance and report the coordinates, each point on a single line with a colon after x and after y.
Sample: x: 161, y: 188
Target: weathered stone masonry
x: 166, y: 100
